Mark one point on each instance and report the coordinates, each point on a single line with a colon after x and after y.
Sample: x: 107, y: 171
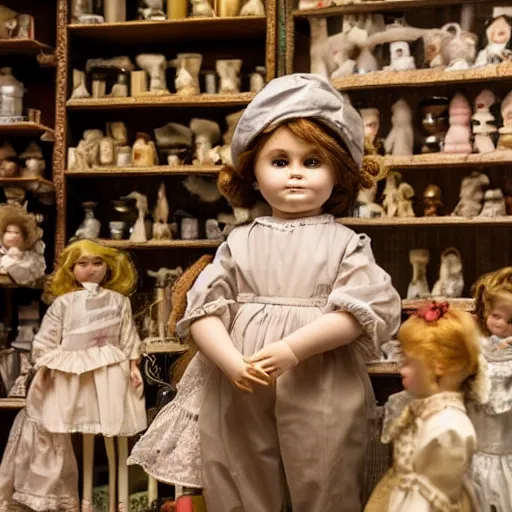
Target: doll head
x: 441, y: 350
x: 18, y: 228
x: 297, y: 125
x: 493, y: 302
x: 88, y: 261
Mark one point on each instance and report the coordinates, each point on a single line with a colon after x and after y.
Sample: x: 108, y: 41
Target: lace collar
x: 289, y: 224
x: 92, y: 288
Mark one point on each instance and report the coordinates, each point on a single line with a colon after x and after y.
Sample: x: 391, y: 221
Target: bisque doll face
x: 89, y: 269
x: 292, y: 176
x: 499, y: 31
x: 416, y: 377
x: 499, y: 320
x: 13, y: 237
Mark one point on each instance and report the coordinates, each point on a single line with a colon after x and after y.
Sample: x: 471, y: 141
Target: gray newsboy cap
x: 300, y: 95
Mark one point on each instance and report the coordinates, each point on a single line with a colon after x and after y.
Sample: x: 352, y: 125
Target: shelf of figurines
x: 448, y: 220
x: 157, y: 170
x: 168, y: 31
x: 25, y: 45
x: 27, y: 129
x: 316, y: 8
x: 160, y: 244
x: 35, y: 185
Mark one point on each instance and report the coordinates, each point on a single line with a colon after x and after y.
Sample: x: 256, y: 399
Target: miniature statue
x: 498, y: 30
x: 189, y: 228
x: 21, y: 247
x: 87, y: 153
x: 154, y: 65
x: 152, y: 10
x: 207, y: 133
x: 165, y: 279
x: 505, y: 140
x: 458, y: 137
x: 229, y: 73
x: 202, y: 9
x: 401, y: 59
x: 79, y: 85
x: 138, y: 233
x: 34, y: 162
x: 90, y: 226
x: 451, y: 282
x: 120, y: 88
x: 371, y: 121
x: 8, y: 166
x: 221, y: 155
x: 144, y: 151
x: 400, y: 140
x: 458, y: 50
x: 435, y: 123
x: 330, y: 52
x: 212, y: 229
x: 253, y: 8
x: 118, y: 133
x: 173, y: 160
x: 418, y: 287
x: 494, y: 204
x: 107, y: 151
x: 93, y: 371
x: 257, y: 80
x: 471, y: 195
x: 161, y: 229
x: 432, y: 201
x: 187, y: 67
x: 483, y: 122
x: 367, y: 207
x: 404, y: 195
x: 390, y: 194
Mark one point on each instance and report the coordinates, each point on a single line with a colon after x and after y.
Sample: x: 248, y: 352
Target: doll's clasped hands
x: 274, y: 359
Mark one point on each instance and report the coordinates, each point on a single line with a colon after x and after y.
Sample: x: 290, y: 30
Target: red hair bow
x: 433, y: 311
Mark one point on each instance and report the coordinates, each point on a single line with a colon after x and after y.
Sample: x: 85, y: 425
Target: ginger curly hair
x: 13, y: 214
x: 236, y: 183
x: 489, y: 288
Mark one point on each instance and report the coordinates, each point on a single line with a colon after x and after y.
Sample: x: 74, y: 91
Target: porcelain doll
x: 21, y: 247
x: 433, y: 438
x: 400, y: 140
x: 401, y: 59
x: 498, y: 33
x: 87, y: 381
x: 279, y: 343
x: 491, y: 469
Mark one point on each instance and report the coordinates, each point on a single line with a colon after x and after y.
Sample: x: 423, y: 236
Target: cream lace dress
x: 82, y: 355
x: 492, y: 464
x: 270, y: 278
x: 433, y: 443
x: 26, y: 269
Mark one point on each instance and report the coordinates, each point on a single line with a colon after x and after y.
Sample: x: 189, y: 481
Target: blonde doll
x: 87, y: 380
x: 492, y: 464
x: 277, y: 400
x: 432, y: 436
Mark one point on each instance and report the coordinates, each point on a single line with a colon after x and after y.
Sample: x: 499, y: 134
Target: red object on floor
x: 168, y: 506
x: 190, y: 504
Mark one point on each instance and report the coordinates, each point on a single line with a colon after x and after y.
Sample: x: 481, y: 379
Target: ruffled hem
x: 43, y: 504
x: 81, y: 361
x: 219, y: 307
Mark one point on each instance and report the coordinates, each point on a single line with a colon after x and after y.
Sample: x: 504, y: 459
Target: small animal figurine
x: 458, y: 137
x: 451, y: 282
x: 400, y: 140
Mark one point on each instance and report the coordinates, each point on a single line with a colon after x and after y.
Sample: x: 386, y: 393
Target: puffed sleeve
x: 213, y: 293
x: 364, y: 289
x: 49, y: 335
x: 129, y: 338
x: 440, y: 466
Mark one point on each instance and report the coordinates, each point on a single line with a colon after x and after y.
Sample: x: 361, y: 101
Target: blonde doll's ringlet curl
x: 121, y: 276
x: 449, y: 343
x: 236, y: 183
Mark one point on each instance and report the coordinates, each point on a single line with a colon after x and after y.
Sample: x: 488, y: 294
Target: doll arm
x: 49, y: 335
x: 129, y: 338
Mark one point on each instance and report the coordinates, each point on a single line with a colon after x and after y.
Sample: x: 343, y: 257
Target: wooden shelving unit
x: 23, y: 45
x: 35, y: 185
x: 158, y: 170
x: 27, y: 129
x: 157, y: 244
x: 427, y: 221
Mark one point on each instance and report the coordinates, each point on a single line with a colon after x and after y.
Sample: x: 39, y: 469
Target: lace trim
x: 289, y: 224
x: 43, y: 503
x: 436, y: 498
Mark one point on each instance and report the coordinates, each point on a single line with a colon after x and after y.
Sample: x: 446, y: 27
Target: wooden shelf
x: 158, y: 170
x: 134, y: 33
x: 427, y: 221
x: 168, y: 100
x: 35, y: 185
x: 383, y: 368
x: 409, y: 305
x: 161, y: 244
x: 444, y: 160
x: 12, y: 403
x: 423, y: 77
x: 27, y: 129
x: 23, y: 45
x: 378, y: 6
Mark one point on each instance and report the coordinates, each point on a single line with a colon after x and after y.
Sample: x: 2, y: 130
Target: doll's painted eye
x: 279, y: 162
x: 312, y: 163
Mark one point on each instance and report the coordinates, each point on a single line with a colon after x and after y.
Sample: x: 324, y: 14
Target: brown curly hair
x: 487, y: 290
x: 14, y: 214
x: 236, y: 184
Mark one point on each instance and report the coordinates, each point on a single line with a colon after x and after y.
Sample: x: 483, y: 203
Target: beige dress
x: 306, y: 435
x: 433, y: 443
x: 82, y: 355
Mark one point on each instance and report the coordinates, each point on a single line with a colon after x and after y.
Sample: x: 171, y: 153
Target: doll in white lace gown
x: 492, y: 464
x: 433, y: 438
x: 277, y: 400
x: 87, y: 380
